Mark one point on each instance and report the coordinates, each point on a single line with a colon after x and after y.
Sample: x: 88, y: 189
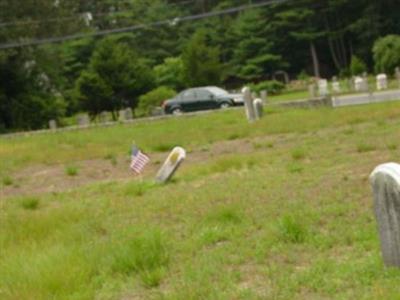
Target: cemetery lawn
x: 278, y: 209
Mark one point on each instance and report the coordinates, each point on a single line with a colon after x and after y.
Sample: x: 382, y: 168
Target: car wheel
x: 177, y: 111
x: 225, y: 105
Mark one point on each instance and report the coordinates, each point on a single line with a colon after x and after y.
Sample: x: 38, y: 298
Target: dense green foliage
x: 357, y: 66
x: 387, y: 53
x: 153, y: 99
x: 319, y: 38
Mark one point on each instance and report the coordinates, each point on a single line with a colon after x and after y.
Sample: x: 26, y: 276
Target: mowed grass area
x: 291, y: 219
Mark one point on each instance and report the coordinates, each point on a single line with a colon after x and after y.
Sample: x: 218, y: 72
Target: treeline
x: 139, y: 67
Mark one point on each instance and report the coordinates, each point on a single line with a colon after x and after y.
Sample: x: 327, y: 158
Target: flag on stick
x: 138, y: 160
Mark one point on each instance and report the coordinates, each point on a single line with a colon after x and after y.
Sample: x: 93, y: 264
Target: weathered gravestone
x: 53, y: 124
x: 258, y: 108
x: 359, y: 84
x: 105, y: 117
x: 385, y: 181
x: 83, y: 120
x: 312, y: 90
x: 381, y: 82
x: 323, y: 87
x: 264, y: 96
x: 335, y: 86
x: 128, y: 114
x: 122, y: 115
x: 397, y: 73
x: 248, y: 104
x: 171, y: 164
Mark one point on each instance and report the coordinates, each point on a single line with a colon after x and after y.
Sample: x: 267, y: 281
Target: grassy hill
x: 279, y: 209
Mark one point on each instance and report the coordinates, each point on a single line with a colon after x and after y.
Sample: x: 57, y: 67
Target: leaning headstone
x: 171, y: 164
x: 105, y: 117
x: 312, y: 90
x: 248, y: 104
x: 258, y: 108
x: 323, y: 87
x: 264, y: 96
x: 53, y: 124
x: 381, y: 82
x: 385, y: 181
x: 83, y: 120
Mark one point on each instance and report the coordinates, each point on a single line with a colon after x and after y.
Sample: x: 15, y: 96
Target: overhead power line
x: 170, y: 22
x: 75, y: 17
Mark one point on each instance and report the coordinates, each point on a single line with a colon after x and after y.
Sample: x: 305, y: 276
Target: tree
x: 201, y: 64
x: 170, y: 73
x: 116, y: 75
x: 253, y: 56
x: 386, y: 52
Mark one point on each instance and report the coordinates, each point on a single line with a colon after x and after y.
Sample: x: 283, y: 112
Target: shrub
x: 273, y: 87
x: 357, y: 66
x: 386, y: 52
x: 153, y: 99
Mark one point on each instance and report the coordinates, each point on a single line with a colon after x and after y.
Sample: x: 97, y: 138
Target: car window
x: 203, y: 94
x: 189, y: 95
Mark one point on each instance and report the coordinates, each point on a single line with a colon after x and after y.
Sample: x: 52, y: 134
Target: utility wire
x: 74, y: 17
x: 170, y: 22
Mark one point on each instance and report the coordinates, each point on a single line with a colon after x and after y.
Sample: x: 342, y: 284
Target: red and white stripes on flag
x: 138, y: 160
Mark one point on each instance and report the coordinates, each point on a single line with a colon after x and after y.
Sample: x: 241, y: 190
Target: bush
x: 273, y: 87
x: 386, y: 52
x: 153, y: 99
x: 357, y: 66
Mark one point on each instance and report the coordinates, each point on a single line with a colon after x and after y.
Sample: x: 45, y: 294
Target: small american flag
x: 138, y: 160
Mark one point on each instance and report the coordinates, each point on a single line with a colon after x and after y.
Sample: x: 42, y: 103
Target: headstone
x: 397, y: 73
x: 83, y: 120
x: 53, y: 124
x: 264, y: 96
x: 157, y: 111
x: 312, y: 90
x: 358, y: 84
x: 171, y: 164
x: 385, y: 181
x: 248, y: 104
x: 122, y: 115
x: 365, y: 87
x: 335, y: 86
x: 128, y: 114
x: 381, y: 82
x: 258, y: 108
x: 323, y: 87
x: 105, y: 117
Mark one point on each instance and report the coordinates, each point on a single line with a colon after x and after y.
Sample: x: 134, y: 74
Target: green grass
x: 289, y: 221
x: 71, y: 170
x: 7, y: 180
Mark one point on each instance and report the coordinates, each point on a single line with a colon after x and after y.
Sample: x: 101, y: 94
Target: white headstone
x: 264, y: 96
x: 385, y: 181
x: 53, y: 124
x: 83, y: 120
x: 171, y: 164
x: 105, y: 117
x: 323, y: 87
x: 248, y: 104
x: 312, y: 90
x: 336, y: 87
x: 258, y: 108
x: 358, y: 84
x: 381, y: 82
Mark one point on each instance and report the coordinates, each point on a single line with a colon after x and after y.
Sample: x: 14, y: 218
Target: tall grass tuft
x: 291, y: 230
x: 71, y: 170
x: 30, y: 203
x: 145, y: 255
x: 298, y: 153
